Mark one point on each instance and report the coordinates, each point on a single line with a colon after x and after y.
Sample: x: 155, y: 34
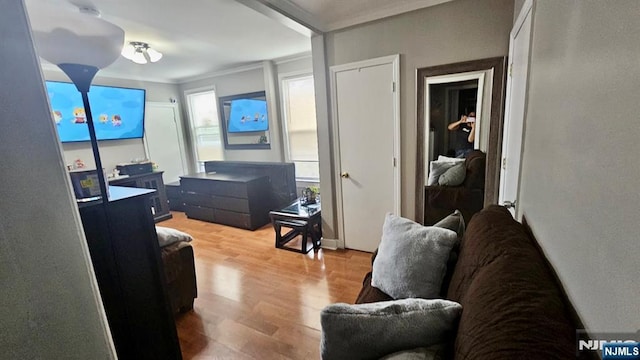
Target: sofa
x: 179, y: 268
x: 512, y: 305
x: 468, y: 198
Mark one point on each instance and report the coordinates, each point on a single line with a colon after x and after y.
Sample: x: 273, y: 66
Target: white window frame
x: 285, y: 131
x: 197, y: 163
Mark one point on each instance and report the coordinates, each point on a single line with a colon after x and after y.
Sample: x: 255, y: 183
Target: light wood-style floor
x: 256, y: 301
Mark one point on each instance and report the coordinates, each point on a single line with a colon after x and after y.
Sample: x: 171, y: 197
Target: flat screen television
x: 118, y: 113
x: 248, y: 115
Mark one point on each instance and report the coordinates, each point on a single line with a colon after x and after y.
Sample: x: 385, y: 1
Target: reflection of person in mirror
x: 465, y: 134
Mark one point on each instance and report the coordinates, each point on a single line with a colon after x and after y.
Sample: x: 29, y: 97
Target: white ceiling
x: 199, y: 37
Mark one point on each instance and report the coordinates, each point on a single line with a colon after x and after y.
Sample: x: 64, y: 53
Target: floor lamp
x: 80, y: 44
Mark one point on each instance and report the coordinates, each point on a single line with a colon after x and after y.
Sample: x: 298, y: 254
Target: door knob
x: 345, y: 175
x: 509, y: 204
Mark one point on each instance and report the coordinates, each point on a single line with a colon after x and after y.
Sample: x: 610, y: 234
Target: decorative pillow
x: 440, y: 166
x: 453, y: 176
x: 454, y: 222
x: 370, y: 331
x: 168, y: 236
x: 435, y: 352
x: 412, y: 259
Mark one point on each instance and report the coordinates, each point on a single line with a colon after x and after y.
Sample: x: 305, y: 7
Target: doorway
x: 448, y: 102
x: 365, y: 101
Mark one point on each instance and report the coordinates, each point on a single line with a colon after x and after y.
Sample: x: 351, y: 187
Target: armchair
x: 440, y: 201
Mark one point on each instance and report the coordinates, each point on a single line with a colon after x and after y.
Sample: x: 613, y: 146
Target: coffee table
x: 301, y: 219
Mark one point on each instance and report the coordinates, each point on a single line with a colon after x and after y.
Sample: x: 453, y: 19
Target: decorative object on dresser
x: 158, y: 201
x: 135, y: 168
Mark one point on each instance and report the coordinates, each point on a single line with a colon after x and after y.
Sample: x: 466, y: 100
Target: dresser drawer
x: 197, y: 199
x: 230, y: 203
x: 232, y: 218
x: 195, y: 185
x: 231, y: 189
x: 199, y: 213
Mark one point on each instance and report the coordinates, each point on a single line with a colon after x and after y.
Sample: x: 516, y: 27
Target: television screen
x: 248, y: 115
x: 118, y: 113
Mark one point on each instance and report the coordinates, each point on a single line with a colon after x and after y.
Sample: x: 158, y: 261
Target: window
x: 301, y: 140
x: 205, y: 127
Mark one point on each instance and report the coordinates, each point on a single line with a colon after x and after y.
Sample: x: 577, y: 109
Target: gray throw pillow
x: 370, y: 331
x: 453, y: 176
x: 436, y: 169
x: 453, y: 222
x: 412, y: 259
x: 168, y: 236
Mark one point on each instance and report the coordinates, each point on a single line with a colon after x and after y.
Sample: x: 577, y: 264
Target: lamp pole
x: 82, y: 76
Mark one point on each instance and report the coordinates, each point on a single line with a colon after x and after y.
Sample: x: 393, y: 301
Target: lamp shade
x: 65, y: 36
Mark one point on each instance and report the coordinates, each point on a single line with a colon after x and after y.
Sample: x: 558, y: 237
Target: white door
x: 515, y: 110
x: 367, y: 121
x: 163, y: 140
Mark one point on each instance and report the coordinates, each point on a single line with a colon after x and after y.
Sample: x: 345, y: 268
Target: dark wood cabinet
x: 126, y: 259
x: 158, y: 202
x: 230, y: 199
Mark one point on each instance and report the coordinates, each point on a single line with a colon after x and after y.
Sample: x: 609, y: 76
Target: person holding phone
x: 465, y: 134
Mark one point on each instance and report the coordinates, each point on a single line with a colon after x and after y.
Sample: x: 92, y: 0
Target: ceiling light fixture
x: 140, y: 53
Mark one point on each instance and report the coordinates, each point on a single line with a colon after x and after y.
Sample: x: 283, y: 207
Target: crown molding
x: 229, y: 71
x: 292, y: 58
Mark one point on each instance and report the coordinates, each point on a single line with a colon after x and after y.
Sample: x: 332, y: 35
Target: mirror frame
x: 223, y: 122
x: 494, y: 148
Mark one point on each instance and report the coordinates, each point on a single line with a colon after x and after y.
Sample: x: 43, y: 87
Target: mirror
x: 445, y: 94
x: 245, y: 121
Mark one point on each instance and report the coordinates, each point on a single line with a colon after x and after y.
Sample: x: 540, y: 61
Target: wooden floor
x: 256, y: 301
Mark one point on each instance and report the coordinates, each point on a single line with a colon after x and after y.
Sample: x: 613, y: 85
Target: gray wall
x: 50, y: 306
x: 239, y: 83
x: 452, y: 32
x: 114, y: 152
x: 580, y: 170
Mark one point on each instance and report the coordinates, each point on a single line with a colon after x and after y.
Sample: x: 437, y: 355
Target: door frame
x: 492, y: 172
x: 526, y: 10
x: 394, y: 60
x: 178, y: 120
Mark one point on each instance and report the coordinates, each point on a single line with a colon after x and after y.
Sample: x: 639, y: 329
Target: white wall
x: 50, y: 305
x: 452, y: 32
x: 579, y: 188
x: 114, y: 152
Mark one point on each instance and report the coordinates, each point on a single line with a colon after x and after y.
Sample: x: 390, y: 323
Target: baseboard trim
x: 330, y: 244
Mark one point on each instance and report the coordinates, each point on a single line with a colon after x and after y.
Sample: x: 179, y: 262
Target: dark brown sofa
x: 440, y: 201
x: 180, y: 273
x: 512, y: 305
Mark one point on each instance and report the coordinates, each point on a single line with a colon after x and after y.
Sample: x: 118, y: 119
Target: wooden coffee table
x: 301, y: 219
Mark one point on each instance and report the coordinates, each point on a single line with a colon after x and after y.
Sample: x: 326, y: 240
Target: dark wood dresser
x: 126, y: 259
x: 230, y: 199
x: 158, y: 201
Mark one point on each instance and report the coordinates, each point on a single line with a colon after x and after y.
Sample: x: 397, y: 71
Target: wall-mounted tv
x: 247, y: 115
x: 118, y: 113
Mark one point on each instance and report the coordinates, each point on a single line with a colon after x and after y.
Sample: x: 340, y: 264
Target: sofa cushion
x: 412, y: 258
x: 370, y: 331
x: 439, y: 167
x: 512, y: 304
x: 454, y: 176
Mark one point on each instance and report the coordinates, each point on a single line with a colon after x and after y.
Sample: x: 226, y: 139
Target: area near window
x: 301, y: 140
x: 205, y: 127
